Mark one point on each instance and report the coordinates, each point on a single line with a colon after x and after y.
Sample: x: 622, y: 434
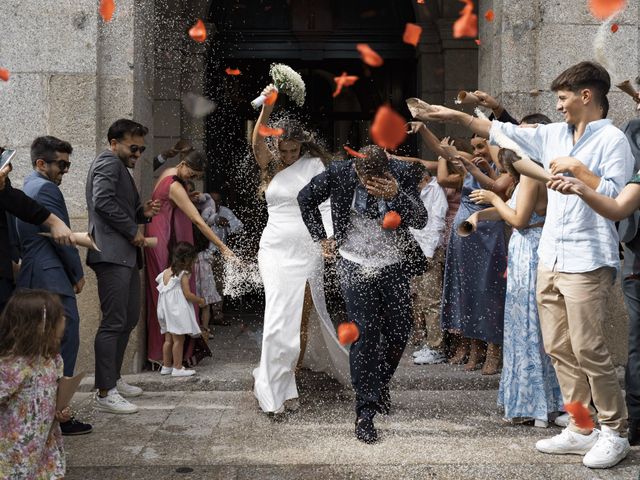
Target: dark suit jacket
x: 338, y: 182
x: 114, y: 208
x: 45, y: 264
x: 628, y: 227
x: 16, y: 203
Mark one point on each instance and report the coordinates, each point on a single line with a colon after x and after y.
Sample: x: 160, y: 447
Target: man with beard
x: 115, y: 212
x: 47, y: 265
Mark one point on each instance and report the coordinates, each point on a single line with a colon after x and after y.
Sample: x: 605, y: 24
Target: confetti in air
x: 412, y: 34
x: 241, y: 278
x: 388, y: 128
x: 369, y: 55
x: 614, y: 28
x: 232, y: 71
x: 467, y: 24
x: 603, y: 9
x: 198, y: 32
x: 490, y: 16
x: 580, y: 415
x: 348, y: 333
x: 107, y: 9
x: 354, y: 153
x: 265, y: 131
x: 344, y: 80
x: 4, y: 74
x: 391, y: 220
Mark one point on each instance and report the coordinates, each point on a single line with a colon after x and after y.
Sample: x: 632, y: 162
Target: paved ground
x: 444, y: 425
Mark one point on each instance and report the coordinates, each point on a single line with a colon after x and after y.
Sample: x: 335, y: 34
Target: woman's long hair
x: 29, y: 324
x: 293, y: 130
x: 507, y: 159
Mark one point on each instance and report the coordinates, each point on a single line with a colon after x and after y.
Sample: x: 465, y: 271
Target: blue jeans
x: 380, y: 305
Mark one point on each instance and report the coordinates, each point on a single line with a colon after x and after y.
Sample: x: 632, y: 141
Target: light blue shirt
x: 575, y: 239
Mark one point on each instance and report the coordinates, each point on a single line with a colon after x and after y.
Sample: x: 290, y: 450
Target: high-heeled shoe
x: 462, y: 352
x: 494, y: 359
x: 476, y: 355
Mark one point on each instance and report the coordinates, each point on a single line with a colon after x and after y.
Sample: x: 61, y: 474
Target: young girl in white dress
x: 176, y: 313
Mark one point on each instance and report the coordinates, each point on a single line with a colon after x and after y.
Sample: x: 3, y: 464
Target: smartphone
x: 5, y: 158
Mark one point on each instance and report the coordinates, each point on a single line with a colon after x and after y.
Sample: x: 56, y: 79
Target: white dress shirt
x: 435, y: 201
x: 575, y: 239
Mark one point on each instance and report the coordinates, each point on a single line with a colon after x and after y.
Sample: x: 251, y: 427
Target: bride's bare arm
x: 260, y: 150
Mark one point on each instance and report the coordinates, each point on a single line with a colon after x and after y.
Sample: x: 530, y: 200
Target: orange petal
x: 232, y: 71
x: 348, y: 333
x: 490, y: 15
x: 388, y: 128
x: 477, y: 40
x: 391, y: 220
x: 603, y: 9
x: 343, y: 80
x: 265, y: 131
x: 353, y: 153
x: 369, y: 55
x: 198, y: 32
x: 4, y: 74
x: 421, y: 2
x: 412, y: 34
x: 614, y: 27
x: 467, y: 24
x: 271, y: 99
x: 106, y: 9
x: 580, y: 414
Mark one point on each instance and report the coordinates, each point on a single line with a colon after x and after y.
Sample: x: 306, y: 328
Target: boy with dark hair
x: 578, y: 253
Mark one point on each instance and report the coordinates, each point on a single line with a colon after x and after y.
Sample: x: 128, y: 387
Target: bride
x: 289, y: 260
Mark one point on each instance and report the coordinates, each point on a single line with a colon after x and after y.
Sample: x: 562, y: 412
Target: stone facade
x: 73, y: 74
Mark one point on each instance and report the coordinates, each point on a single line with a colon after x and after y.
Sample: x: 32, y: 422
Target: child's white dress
x: 175, y: 313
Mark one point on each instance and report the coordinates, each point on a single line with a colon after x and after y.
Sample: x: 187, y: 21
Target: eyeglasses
x: 135, y: 148
x: 62, y: 164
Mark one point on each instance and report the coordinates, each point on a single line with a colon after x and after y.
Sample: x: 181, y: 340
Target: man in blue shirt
x: 578, y: 252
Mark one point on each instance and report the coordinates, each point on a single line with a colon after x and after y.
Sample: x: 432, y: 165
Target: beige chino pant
x: 426, y: 291
x: 572, y: 310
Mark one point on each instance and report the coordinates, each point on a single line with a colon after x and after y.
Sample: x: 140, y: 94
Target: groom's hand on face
x: 385, y: 187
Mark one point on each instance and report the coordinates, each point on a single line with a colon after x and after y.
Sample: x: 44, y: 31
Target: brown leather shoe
x: 461, y: 352
x: 476, y: 355
x: 494, y: 360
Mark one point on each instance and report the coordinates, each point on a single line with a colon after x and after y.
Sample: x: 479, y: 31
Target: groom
x: 375, y: 265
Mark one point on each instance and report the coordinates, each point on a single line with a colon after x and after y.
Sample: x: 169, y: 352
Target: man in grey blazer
x: 115, y: 213
x: 46, y: 264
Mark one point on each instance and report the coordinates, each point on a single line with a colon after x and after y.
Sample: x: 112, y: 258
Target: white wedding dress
x: 288, y: 258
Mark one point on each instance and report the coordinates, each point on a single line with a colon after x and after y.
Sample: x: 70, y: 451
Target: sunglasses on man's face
x: 135, y: 148
x: 62, y: 164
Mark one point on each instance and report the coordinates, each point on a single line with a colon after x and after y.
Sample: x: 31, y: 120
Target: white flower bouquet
x: 287, y: 81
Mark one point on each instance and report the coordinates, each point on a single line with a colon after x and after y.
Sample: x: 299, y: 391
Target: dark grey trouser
x: 631, y: 290
x: 119, y: 292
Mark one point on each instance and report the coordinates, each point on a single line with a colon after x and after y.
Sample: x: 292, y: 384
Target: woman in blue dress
x: 529, y: 388
x: 474, y: 283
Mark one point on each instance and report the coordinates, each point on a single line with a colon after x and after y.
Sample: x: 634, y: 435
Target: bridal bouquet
x: 287, y: 81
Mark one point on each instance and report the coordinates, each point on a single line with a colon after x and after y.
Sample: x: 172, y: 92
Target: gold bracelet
x: 470, y: 121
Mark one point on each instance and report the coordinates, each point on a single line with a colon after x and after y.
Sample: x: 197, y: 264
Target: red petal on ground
x: 265, y: 131
x: 369, y: 55
x: 271, y: 99
x: 467, y: 24
x: 232, y: 71
x: 353, y: 153
x: 603, y: 9
x: 348, y: 333
x: 412, y: 34
x: 490, y: 15
x: 4, y: 74
x: 106, y: 9
x: 388, y: 128
x: 198, y: 32
x: 614, y: 27
x: 391, y: 220
x: 580, y: 415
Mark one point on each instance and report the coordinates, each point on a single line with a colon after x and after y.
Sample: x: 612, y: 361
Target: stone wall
x: 527, y: 45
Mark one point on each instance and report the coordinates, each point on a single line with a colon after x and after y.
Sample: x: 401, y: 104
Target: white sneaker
x: 430, y: 358
x: 166, y: 370
x: 127, y: 390
x: 182, y: 372
x: 608, y: 451
x: 562, y: 420
x: 568, y: 442
x: 114, y: 403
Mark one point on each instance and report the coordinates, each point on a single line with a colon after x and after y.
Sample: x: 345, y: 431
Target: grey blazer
x: 628, y: 228
x: 114, y: 210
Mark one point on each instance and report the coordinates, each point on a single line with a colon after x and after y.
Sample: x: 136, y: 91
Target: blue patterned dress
x: 528, y: 386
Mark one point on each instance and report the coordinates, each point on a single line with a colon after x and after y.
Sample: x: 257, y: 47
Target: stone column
x: 527, y: 45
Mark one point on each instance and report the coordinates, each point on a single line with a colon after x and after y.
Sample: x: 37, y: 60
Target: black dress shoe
x: 74, y: 427
x: 384, y: 403
x: 365, y: 431
x: 634, y: 431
